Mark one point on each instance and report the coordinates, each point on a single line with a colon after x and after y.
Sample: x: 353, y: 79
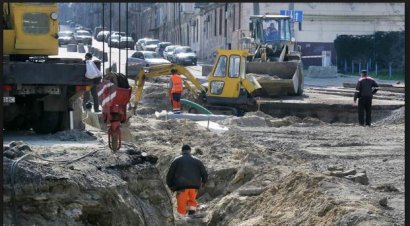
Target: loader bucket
x: 277, y: 78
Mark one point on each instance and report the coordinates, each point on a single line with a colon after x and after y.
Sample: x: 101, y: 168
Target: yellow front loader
x: 228, y: 87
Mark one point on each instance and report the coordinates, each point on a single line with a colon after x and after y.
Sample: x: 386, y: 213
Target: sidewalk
x: 338, y: 82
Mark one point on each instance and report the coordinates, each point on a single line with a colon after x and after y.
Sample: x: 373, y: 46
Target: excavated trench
x: 335, y: 113
x: 101, y: 189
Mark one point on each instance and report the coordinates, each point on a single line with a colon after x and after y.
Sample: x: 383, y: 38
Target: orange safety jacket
x: 176, y: 84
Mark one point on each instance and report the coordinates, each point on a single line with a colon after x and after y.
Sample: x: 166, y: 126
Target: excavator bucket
x: 277, y: 78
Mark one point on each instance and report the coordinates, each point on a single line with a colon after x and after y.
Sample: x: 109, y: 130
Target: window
x: 197, y: 30
x: 234, y: 66
x: 215, y: 22
x: 220, y: 70
x: 151, y: 55
x: 136, y: 55
x: 234, y: 18
x: 239, y: 16
x: 36, y: 23
x: 220, y: 21
x: 217, y: 87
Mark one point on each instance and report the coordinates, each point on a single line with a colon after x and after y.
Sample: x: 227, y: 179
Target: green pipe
x: 199, y: 108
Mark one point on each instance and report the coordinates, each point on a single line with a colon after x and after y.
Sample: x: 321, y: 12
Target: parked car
x: 143, y: 59
x: 97, y: 30
x: 83, y: 36
x: 65, y: 37
x: 184, y: 55
x: 138, y: 45
x: 150, y: 45
x: 161, y: 46
x: 114, y: 33
x: 168, y: 51
x: 78, y: 27
x: 102, y: 36
x: 113, y: 41
x: 126, y: 42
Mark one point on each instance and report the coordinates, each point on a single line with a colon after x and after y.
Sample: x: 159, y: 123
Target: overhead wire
x: 119, y: 37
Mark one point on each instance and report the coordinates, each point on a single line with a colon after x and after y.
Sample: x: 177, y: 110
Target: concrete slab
x: 322, y: 72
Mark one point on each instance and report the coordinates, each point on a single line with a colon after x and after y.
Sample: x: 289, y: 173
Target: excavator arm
x: 162, y: 70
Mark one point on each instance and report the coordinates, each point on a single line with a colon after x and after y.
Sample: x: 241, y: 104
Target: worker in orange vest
x: 176, y: 89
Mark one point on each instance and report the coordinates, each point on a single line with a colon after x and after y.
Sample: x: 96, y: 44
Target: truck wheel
x: 48, y: 122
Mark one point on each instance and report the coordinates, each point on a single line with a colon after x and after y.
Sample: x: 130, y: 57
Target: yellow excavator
x: 228, y: 89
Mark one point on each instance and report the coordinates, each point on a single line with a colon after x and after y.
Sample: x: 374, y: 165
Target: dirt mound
x: 246, y: 121
x: 298, y: 199
x: 396, y: 117
x: 259, y: 114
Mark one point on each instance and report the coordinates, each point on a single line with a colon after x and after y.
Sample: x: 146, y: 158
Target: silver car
x: 168, y: 51
x: 183, y: 55
x: 143, y: 59
x: 83, y: 36
x: 150, y: 45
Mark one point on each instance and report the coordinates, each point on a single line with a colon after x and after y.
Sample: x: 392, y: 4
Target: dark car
x: 161, y: 46
x: 102, y: 36
x: 65, y: 37
x: 141, y: 59
x: 184, y: 55
x: 126, y: 42
x: 83, y: 36
x: 114, y: 40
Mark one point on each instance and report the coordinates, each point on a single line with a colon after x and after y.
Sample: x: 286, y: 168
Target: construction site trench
x: 269, y: 167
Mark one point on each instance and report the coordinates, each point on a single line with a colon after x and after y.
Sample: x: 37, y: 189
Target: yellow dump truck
x: 38, y: 91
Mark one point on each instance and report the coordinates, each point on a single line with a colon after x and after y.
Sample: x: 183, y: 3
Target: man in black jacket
x: 365, y: 88
x: 185, y: 176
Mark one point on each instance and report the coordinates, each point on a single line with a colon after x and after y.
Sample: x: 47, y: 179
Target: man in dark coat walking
x: 185, y: 176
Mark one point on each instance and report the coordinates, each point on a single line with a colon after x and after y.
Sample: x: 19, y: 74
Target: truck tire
x: 48, y: 122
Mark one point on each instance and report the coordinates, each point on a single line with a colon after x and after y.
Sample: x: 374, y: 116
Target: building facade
x: 207, y: 27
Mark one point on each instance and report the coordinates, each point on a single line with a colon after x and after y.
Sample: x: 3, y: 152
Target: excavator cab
x: 271, y: 34
x: 274, y: 58
x: 228, y: 83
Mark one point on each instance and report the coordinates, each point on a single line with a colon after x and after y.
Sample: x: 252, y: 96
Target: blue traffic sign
x: 295, y: 15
